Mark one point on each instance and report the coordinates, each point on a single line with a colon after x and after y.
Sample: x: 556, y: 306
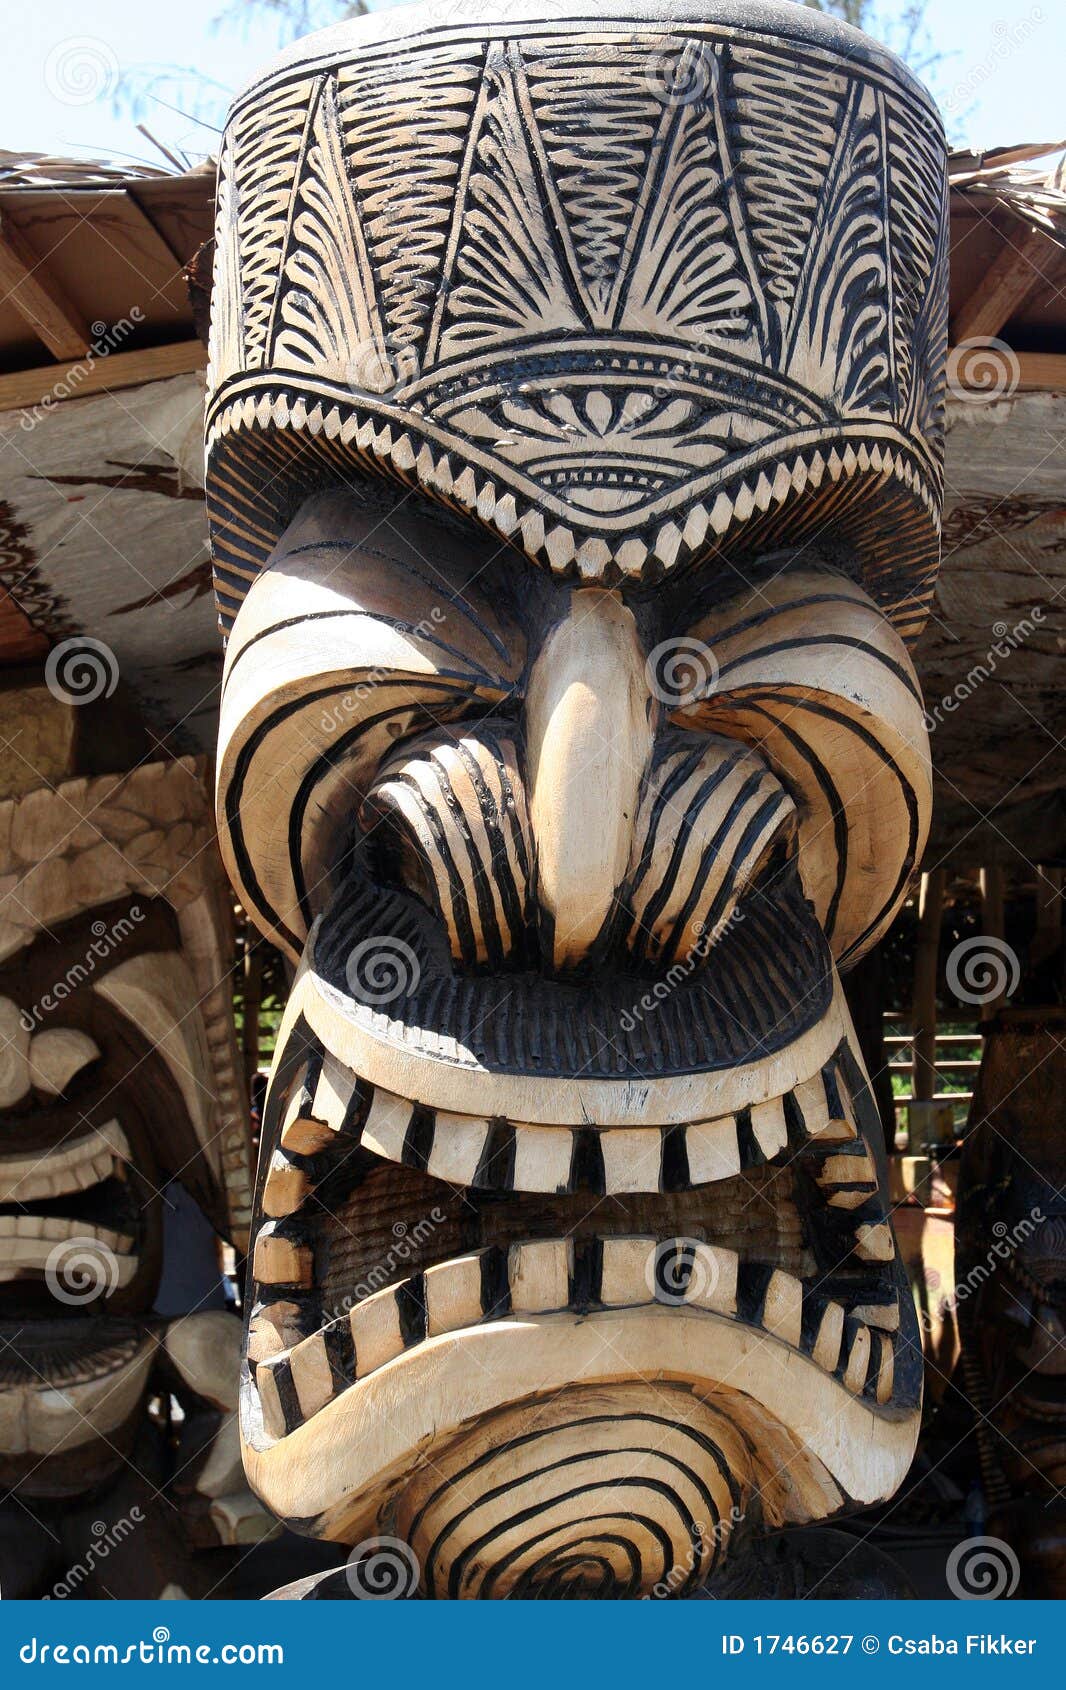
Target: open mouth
x: 69, y: 1219
x: 739, y: 1190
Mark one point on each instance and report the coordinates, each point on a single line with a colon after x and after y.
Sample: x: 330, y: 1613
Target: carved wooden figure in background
x: 574, y: 470
x: 1010, y: 1270
x: 118, y: 1073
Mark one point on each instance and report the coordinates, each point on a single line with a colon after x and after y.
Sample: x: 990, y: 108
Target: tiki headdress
x: 574, y: 473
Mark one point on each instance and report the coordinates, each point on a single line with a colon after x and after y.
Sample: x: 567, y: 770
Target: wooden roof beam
x: 1005, y: 285
x: 25, y: 281
x: 1036, y: 372
x: 25, y: 389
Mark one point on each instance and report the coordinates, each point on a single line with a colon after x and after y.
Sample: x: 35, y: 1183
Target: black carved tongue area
x: 383, y: 950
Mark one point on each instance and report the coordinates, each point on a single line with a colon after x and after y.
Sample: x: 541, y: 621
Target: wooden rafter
x: 24, y: 389
x: 24, y: 279
x: 1038, y: 372
x: 1005, y: 286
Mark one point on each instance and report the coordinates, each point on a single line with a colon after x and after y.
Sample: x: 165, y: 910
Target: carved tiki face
x: 574, y: 475
x: 118, y: 1072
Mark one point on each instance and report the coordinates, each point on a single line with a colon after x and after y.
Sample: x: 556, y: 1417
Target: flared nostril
x: 448, y: 818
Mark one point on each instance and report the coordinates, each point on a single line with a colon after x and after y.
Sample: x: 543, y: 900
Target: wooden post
x: 923, y: 1003
x: 992, y: 882
x: 252, y: 981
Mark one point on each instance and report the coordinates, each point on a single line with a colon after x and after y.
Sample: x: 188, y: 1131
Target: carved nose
x: 590, y: 724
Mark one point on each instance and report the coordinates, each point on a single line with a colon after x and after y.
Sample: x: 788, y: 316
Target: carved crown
x: 625, y: 290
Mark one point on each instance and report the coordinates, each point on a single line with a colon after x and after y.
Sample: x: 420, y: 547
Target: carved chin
x: 664, y: 1295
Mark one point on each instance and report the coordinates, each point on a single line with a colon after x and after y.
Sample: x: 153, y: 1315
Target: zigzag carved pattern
x: 328, y: 317
x: 407, y: 196
x: 265, y: 144
x: 784, y: 120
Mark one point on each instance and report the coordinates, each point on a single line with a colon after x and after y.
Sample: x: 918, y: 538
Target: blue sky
x: 1001, y: 84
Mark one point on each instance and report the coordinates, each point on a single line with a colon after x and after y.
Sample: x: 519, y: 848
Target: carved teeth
x: 473, y: 1151
x: 540, y: 1275
x: 66, y: 1169
x: 873, y: 1243
x: 848, y: 1181
x: 546, y: 1277
x: 858, y: 1362
x: 29, y: 1244
x: 827, y: 1340
x: 287, y: 1185
x: 281, y: 1259
x: 768, y: 1125
x: 385, y: 1130
x: 333, y: 1109
x: 783, y: 1307
x: 885, y: 1365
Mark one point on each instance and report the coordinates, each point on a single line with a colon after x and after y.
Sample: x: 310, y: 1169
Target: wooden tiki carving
x: 1010, y: 1291
x: 119, y: 1072
x: 574, y: 469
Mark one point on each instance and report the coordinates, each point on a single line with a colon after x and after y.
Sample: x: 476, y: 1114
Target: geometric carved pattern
x: 570, y: 831
x: 622, y: 315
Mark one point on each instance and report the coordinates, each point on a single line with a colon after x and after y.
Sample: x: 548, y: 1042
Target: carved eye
x: 341, y: 645
x: 808, y: 670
